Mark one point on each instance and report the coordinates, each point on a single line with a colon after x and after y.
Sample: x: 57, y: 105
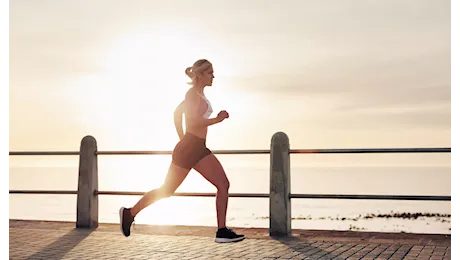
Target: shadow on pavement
x: 62, y: 245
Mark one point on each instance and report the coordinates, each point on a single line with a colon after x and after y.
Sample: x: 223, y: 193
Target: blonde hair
x: 197, y: 70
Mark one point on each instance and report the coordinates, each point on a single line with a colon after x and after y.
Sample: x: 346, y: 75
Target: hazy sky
x: 331, y: 74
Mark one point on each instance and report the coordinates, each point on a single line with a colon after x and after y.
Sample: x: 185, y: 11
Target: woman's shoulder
x: 191, y: 94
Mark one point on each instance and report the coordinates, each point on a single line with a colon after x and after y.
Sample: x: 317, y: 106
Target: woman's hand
x: 222, y: 115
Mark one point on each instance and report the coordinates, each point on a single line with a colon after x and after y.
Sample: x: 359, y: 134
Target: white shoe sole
x: 228, y: 240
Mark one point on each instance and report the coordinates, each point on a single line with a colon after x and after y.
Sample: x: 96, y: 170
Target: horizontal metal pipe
x: 249, y: 195
x: 46, y: 153
x: 292, y: 151
x: 188, y: 194
x: 372, y: 150
x: 297, y: 151
x: 170, y: 152
x: 370, y: 197
x: 43, y: 192
x: 138, y: 193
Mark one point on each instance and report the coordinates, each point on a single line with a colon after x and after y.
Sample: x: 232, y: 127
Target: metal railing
x: 241, y: 152
x: 280, y: 221
x: 246, y: 195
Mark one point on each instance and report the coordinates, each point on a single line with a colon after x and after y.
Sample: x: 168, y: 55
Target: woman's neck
x: 199, y: 89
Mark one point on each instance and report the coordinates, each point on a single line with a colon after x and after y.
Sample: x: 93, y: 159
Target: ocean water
x: 248, y: 174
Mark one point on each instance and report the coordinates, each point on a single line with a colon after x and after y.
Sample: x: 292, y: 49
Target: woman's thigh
x: 211, y: 169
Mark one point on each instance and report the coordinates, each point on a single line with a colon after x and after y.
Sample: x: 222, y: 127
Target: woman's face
x: 208, y: 76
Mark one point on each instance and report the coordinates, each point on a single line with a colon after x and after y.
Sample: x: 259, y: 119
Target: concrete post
x: 87, y: 201
x: 280, y: 186
x: 8, y: 197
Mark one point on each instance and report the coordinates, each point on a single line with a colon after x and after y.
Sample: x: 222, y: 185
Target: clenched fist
x: 222, y: 115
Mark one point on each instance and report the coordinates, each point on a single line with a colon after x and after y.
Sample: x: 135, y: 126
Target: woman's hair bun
x: 188, y: 72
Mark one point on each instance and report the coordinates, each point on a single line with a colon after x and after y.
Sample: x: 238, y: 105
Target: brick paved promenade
x: 60, y: 240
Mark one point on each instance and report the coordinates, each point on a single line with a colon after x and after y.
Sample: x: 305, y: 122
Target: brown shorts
x: 189, y: 151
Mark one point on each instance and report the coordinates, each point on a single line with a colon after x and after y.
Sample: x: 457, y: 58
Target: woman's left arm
x: 178, y: 119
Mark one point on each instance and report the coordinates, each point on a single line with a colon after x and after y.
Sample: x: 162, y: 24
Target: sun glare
x: 141, y: 83
x: 149, y: 66
x: 131, y: 102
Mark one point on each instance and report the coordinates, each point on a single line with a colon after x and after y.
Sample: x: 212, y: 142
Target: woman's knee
x: 166, y: 191
x: 224, y: 185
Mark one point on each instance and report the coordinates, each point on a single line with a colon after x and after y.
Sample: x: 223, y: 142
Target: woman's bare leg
x: 173, y: 180
x: 211, y: 169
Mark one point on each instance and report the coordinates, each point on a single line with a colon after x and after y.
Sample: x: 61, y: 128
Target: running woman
x: 191, y: 152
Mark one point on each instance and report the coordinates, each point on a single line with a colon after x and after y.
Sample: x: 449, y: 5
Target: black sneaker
x: 126, y: 219
x: 225, y: 235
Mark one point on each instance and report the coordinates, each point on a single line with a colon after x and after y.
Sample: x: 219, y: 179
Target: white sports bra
x: 209, y: 111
